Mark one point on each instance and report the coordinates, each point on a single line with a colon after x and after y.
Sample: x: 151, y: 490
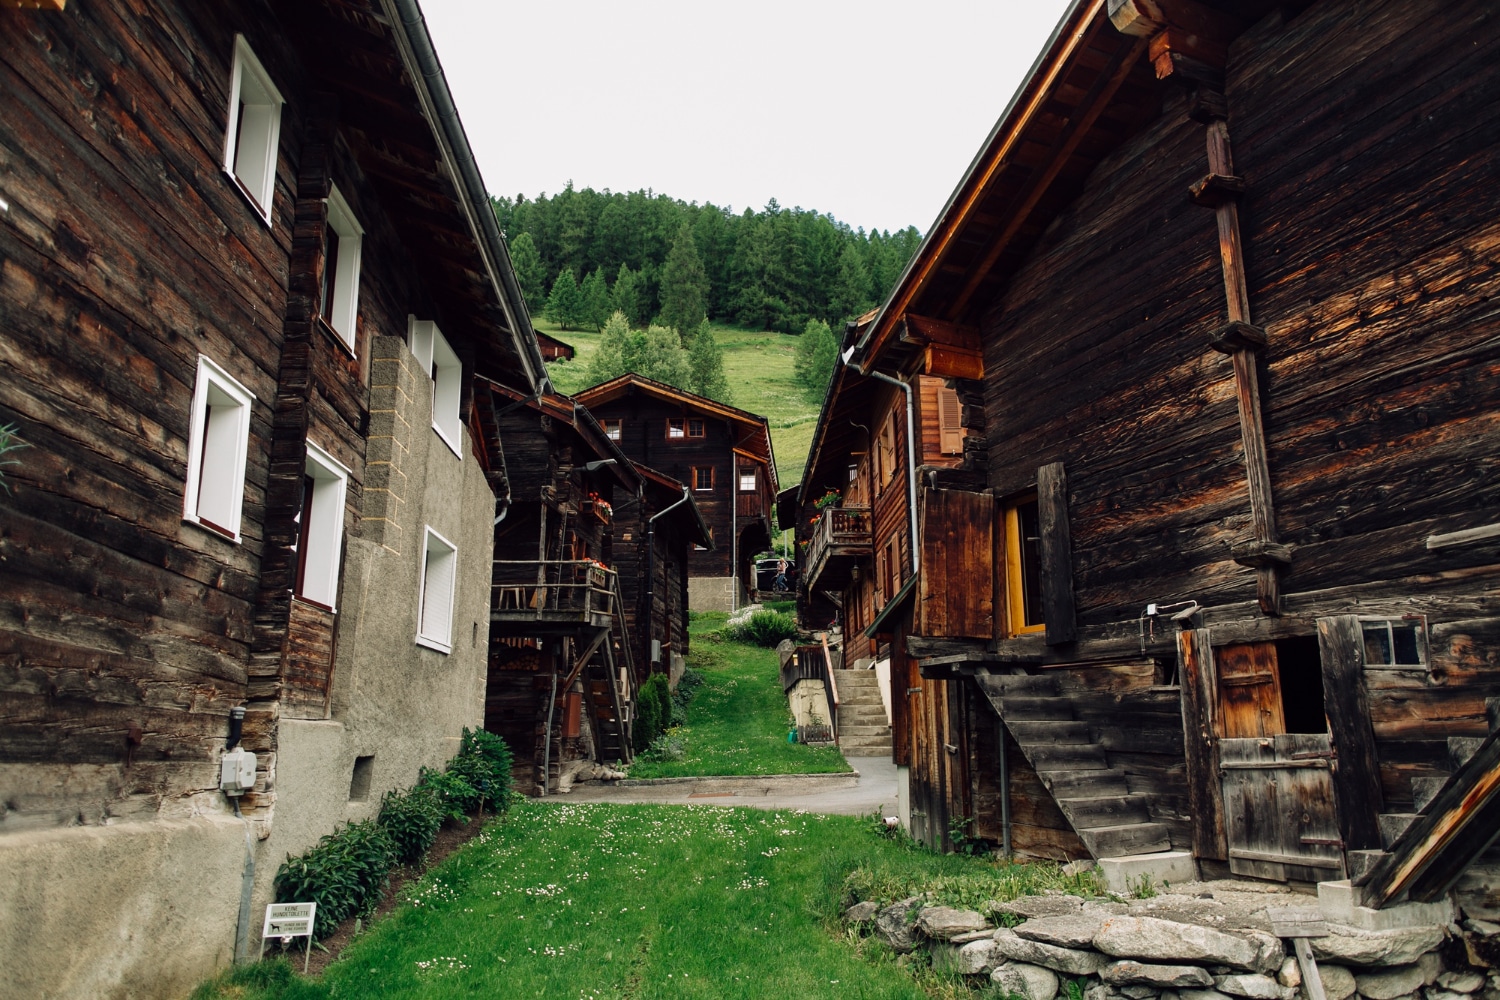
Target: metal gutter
x: 437, y: 101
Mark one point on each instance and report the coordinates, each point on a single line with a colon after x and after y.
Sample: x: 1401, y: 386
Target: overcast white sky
x: 847, y: 108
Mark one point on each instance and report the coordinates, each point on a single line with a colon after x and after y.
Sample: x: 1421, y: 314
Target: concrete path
x: 874, y: 789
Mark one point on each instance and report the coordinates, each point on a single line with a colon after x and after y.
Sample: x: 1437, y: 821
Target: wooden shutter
x: 956, y: 595
x: 1356, y: 780
x: 1056, y: 554
x: 950, y: 423
x: 1249, y: 691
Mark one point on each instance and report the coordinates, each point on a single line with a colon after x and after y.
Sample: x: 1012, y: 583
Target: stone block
x: 1254, y: 986
x: 1031, y: 982
x: 1352, y: 946
x: 1341, y: 904
x: 1163, y: 867
x: 1073, y: 961
x: 1390, y: 983
x: 1338, y: 982
x: 1139, y: 992
x: 1290, y: 973
x: 1201, y: 995
x: 1467, y: 981
x: 972, y: 959
x: 943, y: 922
x: 1035, y: 907
x: 896, y: 924
x: 1170, y: 941
x: 1075, y: 930
x: 1128, y: 971
x: 862, y: 913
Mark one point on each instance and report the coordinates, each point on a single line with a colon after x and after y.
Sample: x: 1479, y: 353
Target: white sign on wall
x: 287, y: 921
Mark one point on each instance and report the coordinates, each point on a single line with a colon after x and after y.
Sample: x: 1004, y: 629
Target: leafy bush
x: 455, y: 796
x: 653, y: 711
x: 411, y: 819
x: 484, y: 761
x: 768, y: 628
x: 687, y: 686
x: 345, y: 873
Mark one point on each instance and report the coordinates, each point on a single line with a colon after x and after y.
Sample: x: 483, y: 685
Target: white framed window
x: 612, y: 429
x: 320, y: 527
x: 250, y: 141
x: 747, y: 480
x: 339, y: 298
x: 442, y: 365
x: 439, y: 580
x: 218, y: 448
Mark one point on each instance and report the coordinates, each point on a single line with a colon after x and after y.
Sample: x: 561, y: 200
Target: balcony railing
x: 556, y: 591
x: 840, y: 538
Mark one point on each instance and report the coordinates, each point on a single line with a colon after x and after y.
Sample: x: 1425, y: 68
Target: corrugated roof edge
x: 423, y: 64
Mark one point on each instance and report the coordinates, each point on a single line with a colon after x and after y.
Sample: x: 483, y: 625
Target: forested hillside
x: 772, y: 269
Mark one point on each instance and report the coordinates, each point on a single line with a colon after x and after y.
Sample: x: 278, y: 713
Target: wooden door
x: 1279, y: 807
x: 1249, y: 691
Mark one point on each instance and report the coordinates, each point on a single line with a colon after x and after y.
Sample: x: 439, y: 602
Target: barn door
x: 1279, y: 815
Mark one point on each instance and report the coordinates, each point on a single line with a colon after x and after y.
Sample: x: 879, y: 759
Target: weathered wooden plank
x: 1056, y: 554
x: 1357, y: 777
x: 1195, y: 667
x: 1249, y: 690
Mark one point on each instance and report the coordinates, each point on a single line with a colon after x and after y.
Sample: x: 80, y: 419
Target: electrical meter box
x: 237, y: 772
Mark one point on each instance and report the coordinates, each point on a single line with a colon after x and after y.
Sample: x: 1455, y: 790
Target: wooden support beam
x: 1109, y: 80
x: 1356, y: 775
x: 1195, y: 668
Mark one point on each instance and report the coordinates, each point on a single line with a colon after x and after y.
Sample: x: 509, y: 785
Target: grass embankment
x: 737, y: 720
x: 759, y: 367
x: 607, y: 901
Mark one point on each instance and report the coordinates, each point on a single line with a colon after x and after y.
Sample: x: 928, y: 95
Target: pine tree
x: 851, y: 292
x: 595, y: 293
x: 706, y: 366
x: 625, y: 297
x: 610, y: 358
x: 565, y: 303
x: 684, y: 287
x: 657, y: 353
x: 816, y: 353
x: 529, y: 272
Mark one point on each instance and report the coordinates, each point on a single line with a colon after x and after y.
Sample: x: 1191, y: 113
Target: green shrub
x: 787, y: 607
x: 653, y: 711
x: 411, y: 819
x: 455, y: 796
x: 484, y: 761
x: 687, y: 686
x: 768, y: 628
x: 345, y: 873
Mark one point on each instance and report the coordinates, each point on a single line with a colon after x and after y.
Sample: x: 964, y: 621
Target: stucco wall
x: 135, y: 910
x: 808, y: 702
x: 710, y: 593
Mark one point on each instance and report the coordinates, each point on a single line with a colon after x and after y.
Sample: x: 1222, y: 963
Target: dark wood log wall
x: 892, y: 505
x: 1363, y: 131
x: 124, y: 632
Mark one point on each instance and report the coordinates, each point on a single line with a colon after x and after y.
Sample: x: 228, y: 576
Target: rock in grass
x: 1072, y: 961
x: 862, y: 913
x: 1351, y: 946
x: 1031, y: 982
x: 972, y: 959
x: 1254, y: 986
x: 1338, y: 982
x: 1127, y: 971
x: 896, y: 924
x: 1170, y: 941
x: 1075, y: 930
x: 944, y: 922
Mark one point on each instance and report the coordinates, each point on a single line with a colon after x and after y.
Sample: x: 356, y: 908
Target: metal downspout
x: 651, y: 560
x: 911, y: 463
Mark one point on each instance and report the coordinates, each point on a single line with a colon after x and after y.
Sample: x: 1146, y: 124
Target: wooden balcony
x: 531, y: 598
x: 840, y: 539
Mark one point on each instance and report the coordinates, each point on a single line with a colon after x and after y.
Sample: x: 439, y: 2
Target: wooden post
x: 1056, y: 546
x: 1241, y: 340
x: 1195, y: 664
x: 1356, y: 772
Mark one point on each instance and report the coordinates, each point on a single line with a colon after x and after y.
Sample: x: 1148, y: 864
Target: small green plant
x: 962, y: 841
x: 829, y: 499
x: 1074, y: 988
x: 1141, y: 888
x: 9, y: 442
x: 411, y: 819
x: 484, y: 761
x: 653, y: 711
x: 768, y: 628
x: 452, y: 791
x: 345, y: 873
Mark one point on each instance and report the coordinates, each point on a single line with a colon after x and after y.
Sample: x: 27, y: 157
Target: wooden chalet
x: 652, y: 543
x: 562, y: 676
x: 722, y: 453
x: 1216, y: 569
x: 553, y: 349
x: 250, y: 280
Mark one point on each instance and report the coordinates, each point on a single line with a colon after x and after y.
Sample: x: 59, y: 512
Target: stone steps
x: 863, y: 730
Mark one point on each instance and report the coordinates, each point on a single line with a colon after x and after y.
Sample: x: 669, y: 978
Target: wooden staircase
x: 863, y: 730
x: 1094, y: 797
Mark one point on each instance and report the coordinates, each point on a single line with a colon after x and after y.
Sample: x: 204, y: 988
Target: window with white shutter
x: 218, y: 449
x: 254, y: 129
x: 342, y: 239
x: 441, y: 364
x: 320, y: 527
x: 439, y: 577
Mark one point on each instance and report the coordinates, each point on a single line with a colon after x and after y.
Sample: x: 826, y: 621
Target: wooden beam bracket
x: 1213, y: 190
x: 1236, y: 336
x: 1259, y: 553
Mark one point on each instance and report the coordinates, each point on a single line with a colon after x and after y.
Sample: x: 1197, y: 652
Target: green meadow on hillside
x: 759, y: 367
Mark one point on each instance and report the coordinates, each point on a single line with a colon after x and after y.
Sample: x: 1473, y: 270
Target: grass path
x: 759, y: 367
x: 736, y: 722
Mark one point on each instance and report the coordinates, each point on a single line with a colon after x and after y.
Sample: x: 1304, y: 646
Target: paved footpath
x: 873, y: 789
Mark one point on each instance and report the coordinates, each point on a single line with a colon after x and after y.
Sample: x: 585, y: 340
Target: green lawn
x: 737, y: 720
x: 588, y: 900
x: 759, y: 366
